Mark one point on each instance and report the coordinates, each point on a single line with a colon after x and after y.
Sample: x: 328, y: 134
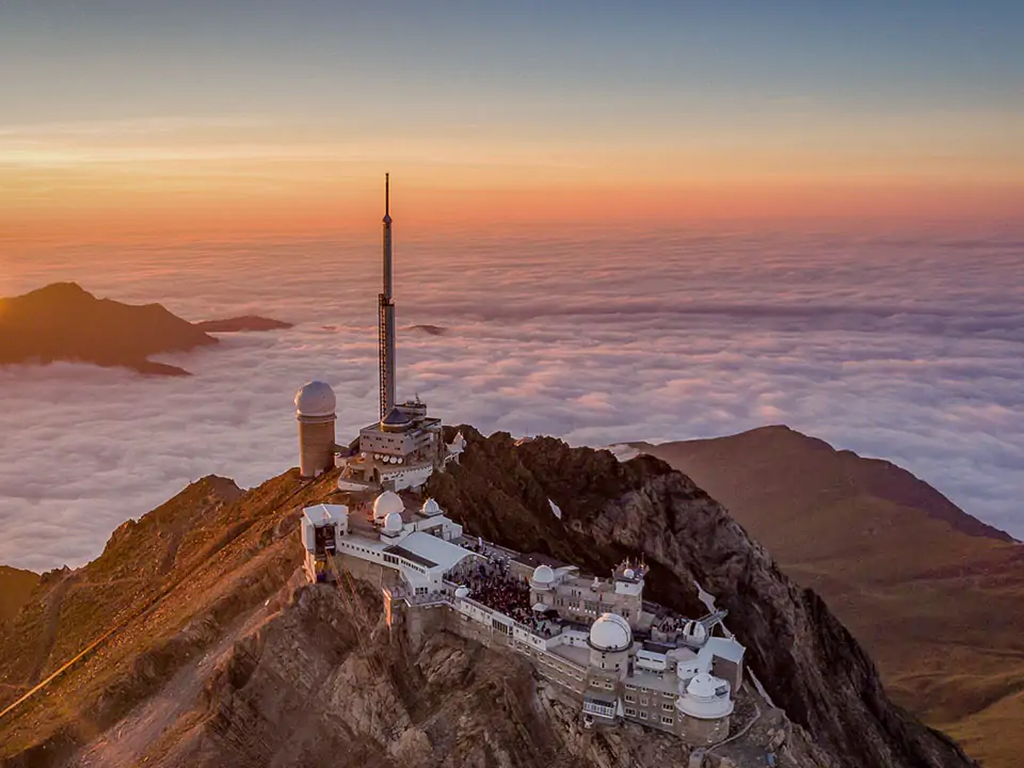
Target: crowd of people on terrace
x: 493, y: 584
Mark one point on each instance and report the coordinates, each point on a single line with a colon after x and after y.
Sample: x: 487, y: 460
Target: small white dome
x: 393, y: 523
x: 695, y: 632
x: 543, y: 577
x: 316, y: 398
x: 386, y: 503
x: 629, y: 573
x: 703, y: 686
x: 610, y: 632
x: 462, y: 592
x: 431, y: 507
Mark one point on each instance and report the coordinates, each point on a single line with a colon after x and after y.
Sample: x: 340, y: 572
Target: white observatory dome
x: 385, y: 504
x: 316, y: 398
x: 431, y: 507
x: 695, y: 632
x: 610, y: 632
x: 629, y: 573
x: 393, y: 523
x: 461, y: 592
x: 702, y: 686
x: 543, y: 577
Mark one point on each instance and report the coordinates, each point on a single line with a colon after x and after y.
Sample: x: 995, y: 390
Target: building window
x: 667, y: 694
x: 630, y: 712
x: 667, y: 720
x: 644, y: 701
x: 630, y: 687
x: 643, y: 714
x: 630, y: 698
x: 667, y: 707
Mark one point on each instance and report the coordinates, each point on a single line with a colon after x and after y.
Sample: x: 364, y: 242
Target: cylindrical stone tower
x: 315, y: 407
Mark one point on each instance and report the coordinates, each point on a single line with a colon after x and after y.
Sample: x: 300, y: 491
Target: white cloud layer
x: 907, y: 348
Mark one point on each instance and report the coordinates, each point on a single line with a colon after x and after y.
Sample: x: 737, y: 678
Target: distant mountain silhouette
x: 430, y: 330
x: 63, y: 321
x: 243, y: 323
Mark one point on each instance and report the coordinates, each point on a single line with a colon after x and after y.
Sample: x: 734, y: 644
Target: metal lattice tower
x: 386, y: 316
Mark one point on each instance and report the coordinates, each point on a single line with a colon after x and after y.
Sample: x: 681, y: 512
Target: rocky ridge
x: 221, y: 655
x: 808, y: 662
x: 933, y: 594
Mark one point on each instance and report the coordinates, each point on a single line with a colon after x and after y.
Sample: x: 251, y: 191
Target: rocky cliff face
x: 324, y: 682
x: 221, y: 655
x: 807, y: 661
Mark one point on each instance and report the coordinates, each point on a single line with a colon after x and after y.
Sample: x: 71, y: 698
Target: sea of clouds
x: 909, y: 348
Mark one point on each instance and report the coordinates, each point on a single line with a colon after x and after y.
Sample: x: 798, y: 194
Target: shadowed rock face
x: 806, y: 659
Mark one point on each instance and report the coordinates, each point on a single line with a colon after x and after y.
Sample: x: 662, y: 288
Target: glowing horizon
x: 199, y: 120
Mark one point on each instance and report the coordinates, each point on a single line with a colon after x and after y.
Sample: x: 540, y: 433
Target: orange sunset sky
x: 129, y: 120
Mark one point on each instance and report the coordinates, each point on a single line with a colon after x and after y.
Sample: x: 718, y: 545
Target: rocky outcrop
x: 324, y: 682
x: 219, y: 656
x: 807, y: 661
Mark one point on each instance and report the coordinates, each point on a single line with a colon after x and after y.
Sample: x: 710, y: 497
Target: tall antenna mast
x: 386, y: 315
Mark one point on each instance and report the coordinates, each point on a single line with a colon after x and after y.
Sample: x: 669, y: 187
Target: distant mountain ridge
x: 64, y: 322
x: 933, y: 593
x: 877, y: 477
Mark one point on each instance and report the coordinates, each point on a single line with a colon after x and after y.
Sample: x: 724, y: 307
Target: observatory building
x: 619, y: 657
x: 399, y: 450
x: 315, y: 409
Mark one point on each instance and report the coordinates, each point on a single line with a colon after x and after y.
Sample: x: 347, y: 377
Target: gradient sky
x: 120, y: 115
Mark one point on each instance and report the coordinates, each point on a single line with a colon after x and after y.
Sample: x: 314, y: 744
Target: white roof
x: 445, y: 554
x: 724, y: 648
x: 325, y: 513
x: 315, y: 398
x: 609, y: 632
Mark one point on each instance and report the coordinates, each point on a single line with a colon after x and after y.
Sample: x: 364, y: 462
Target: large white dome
x: 703, y: 686
x: 702, y: 699
x: 431, y: 507
x: 316, y: 398
x: 385, y: 504
x: 543, y: 577
x: 393, y: 523
x: 610, y: 632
